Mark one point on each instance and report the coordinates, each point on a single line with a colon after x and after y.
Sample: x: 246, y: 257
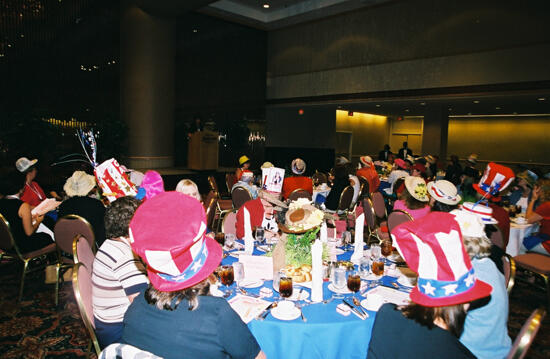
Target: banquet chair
x: 65, y: 231
x: 497, y: 238
x: 240, y: 195
x: 230, y: 180
x: 538, y: 264
x: 364, y: 190
x: 397, y: 217
x: 370, y: 221
x: 379, y: 205
x: 82, y: 252
x: 527, y: 334
x: 211, y: 214
x: 82, y: 288
x: 8, y: 245
x: 299, y: 193
x: 346, y: 198
x: 319, y: 177
x: 125, y: 351
x: 509, y: 267
x: 229, y: 222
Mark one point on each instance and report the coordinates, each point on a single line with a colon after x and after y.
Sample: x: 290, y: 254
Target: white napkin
x: 317, y: 271
x: 358, y: 250
x: 248, y: 239
x: 323, y: 232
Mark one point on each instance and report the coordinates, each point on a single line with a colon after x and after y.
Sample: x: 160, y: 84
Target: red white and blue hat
x: 432, y: 247
x: 485, y: 213
x: 494, y: 180
x: 298, y: 166
x: 168, y: 233
x: 444, y: 192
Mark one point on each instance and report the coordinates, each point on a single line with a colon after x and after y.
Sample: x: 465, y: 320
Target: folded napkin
x: 248, y: 239
x: 323, y: 232
x: 358, y: 250
x: 317, y: 271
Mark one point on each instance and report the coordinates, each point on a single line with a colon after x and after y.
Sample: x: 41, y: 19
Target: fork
x: 300, y: 306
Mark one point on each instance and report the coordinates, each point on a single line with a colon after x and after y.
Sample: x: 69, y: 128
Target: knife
x: 265, y: 312
x: 354, y: 310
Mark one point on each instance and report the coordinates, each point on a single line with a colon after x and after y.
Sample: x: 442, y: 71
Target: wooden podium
x: 203, y: 151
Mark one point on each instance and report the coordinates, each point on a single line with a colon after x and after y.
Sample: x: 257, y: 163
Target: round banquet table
x: 517, y: 233
x: 326, y: 334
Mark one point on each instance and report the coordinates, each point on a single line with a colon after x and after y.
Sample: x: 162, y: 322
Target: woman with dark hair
x: 340, y: 181
x: 414, y: 200
x: 430, y: 326
x: 444, y: 196
x: 176, y: 317
x: 23, y: 224
x: 32, y: 193
x: 118, y: 276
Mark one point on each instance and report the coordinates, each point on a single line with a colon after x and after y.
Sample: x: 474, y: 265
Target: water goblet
x: 339, y: 281
x: 238, y: 272
x: 260, y: 235
x: 354, y: 281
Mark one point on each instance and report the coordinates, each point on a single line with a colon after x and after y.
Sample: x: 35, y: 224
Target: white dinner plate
x: 290, y: 315
x: 236, y: 254
x: 369, y: 305
x: 304, y: 294
x: 251, y: 283
x: 344, y: 290
x: 406, y: 281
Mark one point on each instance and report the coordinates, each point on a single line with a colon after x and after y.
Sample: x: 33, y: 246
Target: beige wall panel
x: 370, y: 132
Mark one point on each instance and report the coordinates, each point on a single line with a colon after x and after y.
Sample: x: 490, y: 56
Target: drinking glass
x: 260, y: 235
x: 339, y: 281
x: 354, y: 281
x: 377, y: 262
x: 386, y: 247
x: 364, y: 267
x: 229, y: 240
x: 220, y: 238
x: 238, y: 272
x: 227, y: 277
x: 285, y: 286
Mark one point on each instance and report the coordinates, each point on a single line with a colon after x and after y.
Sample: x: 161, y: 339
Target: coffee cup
x: 285, y: 306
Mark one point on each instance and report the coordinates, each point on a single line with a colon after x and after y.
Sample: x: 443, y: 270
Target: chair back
x: 213, y: 184
x: 397, y: 217
x: 527, y: 334
x: 211, y: 213
x: 68, y: 227
x: 379, y: 205
x: 7, y: 243
x: 345, y: 199
x: 370, y: 217
x: 82, y: 252
x: 398, y: 182
x: 229, y: 223
x: 497, y: 238
x: 509, y: 267
x: 299, y: 193
x: 239, y: 196
x: 82, y: 288
x: 209, y: 197
x: 319, y: 177
x: 125, y: 351
x: 364, y: 191
x: 230, y: 180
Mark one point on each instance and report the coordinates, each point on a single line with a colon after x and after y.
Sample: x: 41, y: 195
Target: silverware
x: 265, y: 312
x: 328, y: 300
x: 304, y: 319
x: 358, y: 305
x: 359, y: 314
x: 245, y: 292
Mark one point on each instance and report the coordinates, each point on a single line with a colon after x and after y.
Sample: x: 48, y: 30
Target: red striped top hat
x: 432, y: 247
x: 168, y: 233
x: 495, y: 179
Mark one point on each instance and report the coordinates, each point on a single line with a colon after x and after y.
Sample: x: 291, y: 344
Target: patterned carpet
x: 35, y: 329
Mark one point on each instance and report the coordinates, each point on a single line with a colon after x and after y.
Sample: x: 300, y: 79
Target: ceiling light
x: 266, y: 6
x: 377, y: 105
x: 450, y: 108
x: 497, y: 108
x: 195, y: 31
x: 476, y: 101
x: 422, y: 103
x: 406, y: 110
x: 542, y: 99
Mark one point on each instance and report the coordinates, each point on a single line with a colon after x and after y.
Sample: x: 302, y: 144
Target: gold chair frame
x: 83, y: 314
x: 25, y: 261
x: 224, y: 218
x: 512, y: 278
x: 533, y: 324
x: 300, y: 190
x: 241, y: 187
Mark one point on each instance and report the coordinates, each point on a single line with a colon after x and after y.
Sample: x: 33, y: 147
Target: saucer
x: 406, y: 281
x: 337, y: 251
x: 251, y: 283
x: 236, y: 254
x: 290, y: 315
x: 304, y: 294
x: 344, y: 290
x: 369, y: 306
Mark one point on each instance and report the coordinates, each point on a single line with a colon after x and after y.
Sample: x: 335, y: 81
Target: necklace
x: 34, y: 190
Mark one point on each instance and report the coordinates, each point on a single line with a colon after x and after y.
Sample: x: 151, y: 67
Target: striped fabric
x: 117, y: 273
x: 125, y: 351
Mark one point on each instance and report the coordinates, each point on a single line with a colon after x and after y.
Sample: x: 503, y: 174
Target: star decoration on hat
x: 197, y: 265
x: 428, y: 289
x: 450, y: 289
x: 469, y: 280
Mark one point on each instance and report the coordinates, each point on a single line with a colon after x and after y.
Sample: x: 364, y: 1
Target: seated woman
x: 176, y: 317
x: 485, y: 330
x: 444, y: 196
x: 261, y: 212
x: 368, y: 172
x: 244, y: 165
x: 118, y: 275
x: 78, y: 188
x: 539, y: 242
x: 521, y: 193
x: 415, y: 199
x: 297, y: 180
x: 32, y: 193
x: 341, y: 181
x: 23, y: 224
x: 188, y: 187
x: 430, y: 326
x: 246, y: 181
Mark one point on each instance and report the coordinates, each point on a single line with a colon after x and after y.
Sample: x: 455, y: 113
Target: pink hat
x: 400, y: 163
x: 152, y: 183
x: 168, y: 233
x: 432, y: 247
x: 485, y: 213
x: 366, y: 161
x: 495, y: 179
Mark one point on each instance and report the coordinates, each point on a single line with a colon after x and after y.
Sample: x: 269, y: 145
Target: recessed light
x: 497, y: 108
x: 377, y: 105
x: 450, y: 108
x: 266, y: 6
x: 406, y: 110
x: 195, y: 31
x: 422, y: 103
x: 515, y: 113
x: 469, y: 114
x: 542, y: 99
x: 476, y: 101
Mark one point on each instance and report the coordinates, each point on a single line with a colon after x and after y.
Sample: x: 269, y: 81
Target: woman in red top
x: 297, y: 180
x: 32, y: 194
x: 244, y: 165
x: 539, y: 242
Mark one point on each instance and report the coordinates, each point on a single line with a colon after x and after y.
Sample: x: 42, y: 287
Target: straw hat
x: 168, y: 233
x: 23, y: 164
x: 417, y: 188
x: 432, y: 247
x: 267, y: 165
x: 366, y: 161
x: 470, y: 224
x: 472, y: 158
x: 485, y: 213
x: 444, y: 192
x: 298, y: 166
x: 79, y: 184
x: 243, y: 159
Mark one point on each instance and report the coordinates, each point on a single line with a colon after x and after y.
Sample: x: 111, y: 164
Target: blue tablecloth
x: 326, y: 334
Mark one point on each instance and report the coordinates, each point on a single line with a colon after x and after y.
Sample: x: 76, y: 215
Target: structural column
x: 435, y: 132
x: 147, y: 89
